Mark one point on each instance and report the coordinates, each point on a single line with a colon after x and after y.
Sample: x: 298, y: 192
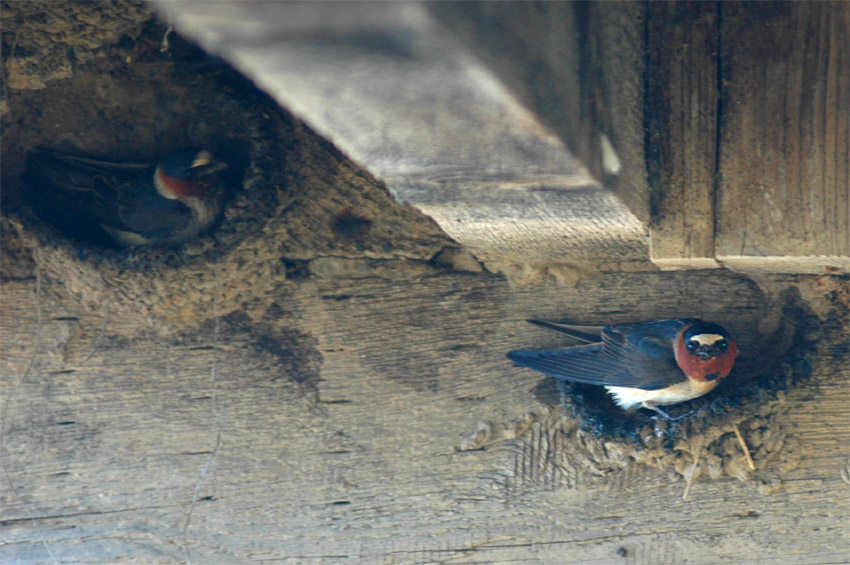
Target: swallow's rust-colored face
x: 174, y: 188
x: 187, y: 174
x: 705, y: 352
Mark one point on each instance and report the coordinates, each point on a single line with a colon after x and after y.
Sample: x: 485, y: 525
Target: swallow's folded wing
x: 590, y: 364
x: 141, y: 210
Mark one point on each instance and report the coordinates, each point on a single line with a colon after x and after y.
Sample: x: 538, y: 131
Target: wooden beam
x: 342, y: 406
x: 299, y: 390
x: 579, y: 67
x: 784, y: 176
x: 398, y: 94
x: 681, y: 117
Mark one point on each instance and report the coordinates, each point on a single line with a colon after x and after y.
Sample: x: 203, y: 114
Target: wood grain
x: 579, y: 67
x: 312, y: 397
x: 681, y: 116
x: 784, y: 175
x: 358, y: 461
x: 406, y: 101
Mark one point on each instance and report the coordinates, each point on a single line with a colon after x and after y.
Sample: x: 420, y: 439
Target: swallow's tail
x: 582, y: 364
x: 68, y: 172
x: 48, y: 170
x: 587, y: 334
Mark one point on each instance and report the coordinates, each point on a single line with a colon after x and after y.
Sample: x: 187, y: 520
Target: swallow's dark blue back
x: 639, y: 355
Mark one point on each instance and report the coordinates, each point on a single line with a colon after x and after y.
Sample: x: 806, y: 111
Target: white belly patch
x: 628, y: 398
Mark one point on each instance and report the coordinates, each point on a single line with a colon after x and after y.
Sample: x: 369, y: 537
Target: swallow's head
x: 189, y: 173
x: 706, y: 340
x: 705, y: 351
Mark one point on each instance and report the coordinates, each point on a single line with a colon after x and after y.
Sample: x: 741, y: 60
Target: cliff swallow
x: 168, y: 203
x: 647, y: 364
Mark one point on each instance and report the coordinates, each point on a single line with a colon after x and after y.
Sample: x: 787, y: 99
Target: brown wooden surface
x: 727, y: 117
x: 579, y: 67
x: 399, y: 95
x: 784, y: 176
x: 321, y: 424
x: 324, y: 380
x: 682, y: 103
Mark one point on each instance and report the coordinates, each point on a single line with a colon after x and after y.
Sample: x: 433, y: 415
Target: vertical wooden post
x: 783, y: 183
x: 681, y: 129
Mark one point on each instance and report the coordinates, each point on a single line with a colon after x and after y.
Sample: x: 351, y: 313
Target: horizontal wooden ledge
x: 814, y: 265
x: 531, y: 219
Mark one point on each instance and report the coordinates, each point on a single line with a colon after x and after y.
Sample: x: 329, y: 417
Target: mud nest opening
x: 143, y: 93
x: 149, y: 95
x: 111, y: 80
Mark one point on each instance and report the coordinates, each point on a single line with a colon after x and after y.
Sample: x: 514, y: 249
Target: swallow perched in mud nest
x: 646, y: 364
x: 167, y: 203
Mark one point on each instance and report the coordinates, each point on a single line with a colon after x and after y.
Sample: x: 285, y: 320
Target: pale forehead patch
x: 203, y: 158
x: 707, y: 339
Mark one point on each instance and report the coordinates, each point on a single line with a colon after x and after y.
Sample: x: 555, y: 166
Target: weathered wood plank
x: 579, y: 67
x: 319, y: 416
x: 358, y: 460
x: 681, y: 116
x: 784, y: 175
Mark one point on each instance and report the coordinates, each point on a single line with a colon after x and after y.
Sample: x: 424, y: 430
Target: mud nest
x: 589, y: 436
x: 147, y: 94
x: 113, y: 81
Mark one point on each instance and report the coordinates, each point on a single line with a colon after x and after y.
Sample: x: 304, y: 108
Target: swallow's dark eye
x: 722, y: 345
x: 692, y: 346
